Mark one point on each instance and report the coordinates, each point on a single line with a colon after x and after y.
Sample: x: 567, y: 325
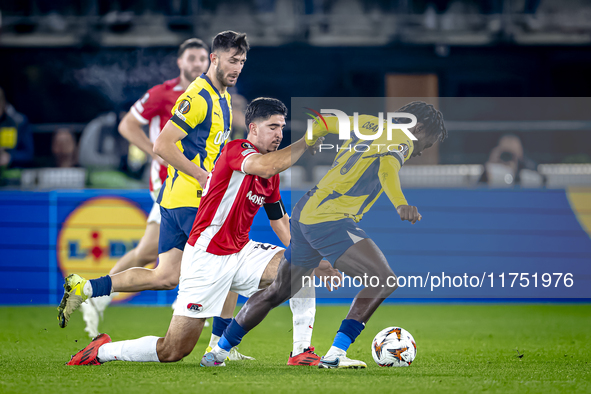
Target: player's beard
x: 272, y: 147
x: 219, y: 74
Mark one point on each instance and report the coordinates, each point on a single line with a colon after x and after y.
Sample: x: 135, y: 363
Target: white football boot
x: 340, y: 360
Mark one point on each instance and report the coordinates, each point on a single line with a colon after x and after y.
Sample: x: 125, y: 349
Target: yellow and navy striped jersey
x: 206, y: 116
x: 361, y: 171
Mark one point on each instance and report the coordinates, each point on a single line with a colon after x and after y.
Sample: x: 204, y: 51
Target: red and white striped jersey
x: 230, y: 201
x: 154, y: 108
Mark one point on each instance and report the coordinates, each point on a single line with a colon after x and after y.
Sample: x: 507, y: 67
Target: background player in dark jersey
x: 324, y: 225
x: 152, y: 109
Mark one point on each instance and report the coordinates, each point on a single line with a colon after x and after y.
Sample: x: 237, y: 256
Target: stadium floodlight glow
x: 345, y: 124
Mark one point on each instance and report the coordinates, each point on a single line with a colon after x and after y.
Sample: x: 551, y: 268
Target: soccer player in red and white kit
x: 219, y: 256
x: 152, y: 109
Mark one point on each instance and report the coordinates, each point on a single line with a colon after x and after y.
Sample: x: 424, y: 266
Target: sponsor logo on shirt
x: 259, y: 200
x: 247, y: 145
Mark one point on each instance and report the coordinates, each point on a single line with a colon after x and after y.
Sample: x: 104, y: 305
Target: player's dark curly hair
x: 263, y: 108
x: 428, y: 116
x: 191, y: 43
x: 227, y: 40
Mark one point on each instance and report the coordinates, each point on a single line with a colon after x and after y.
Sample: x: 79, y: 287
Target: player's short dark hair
x: 263, y: 108
x: 192, y: 43
x: 430, y: 117
x: 229, y: 39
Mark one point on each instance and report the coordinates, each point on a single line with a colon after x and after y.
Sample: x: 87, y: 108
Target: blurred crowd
x: 301, y: 20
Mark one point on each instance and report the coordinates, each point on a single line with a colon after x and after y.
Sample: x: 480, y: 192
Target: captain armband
x: 276, y: 210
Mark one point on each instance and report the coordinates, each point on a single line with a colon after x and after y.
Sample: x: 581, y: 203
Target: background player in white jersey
x: 153, y: 109
x: 219, y: 256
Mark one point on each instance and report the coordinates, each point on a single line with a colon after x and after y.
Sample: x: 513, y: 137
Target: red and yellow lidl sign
x: 580, y: 202
x: 97, y: 234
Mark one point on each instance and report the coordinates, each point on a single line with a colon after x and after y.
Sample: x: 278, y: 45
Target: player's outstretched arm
x: 273, y: 163
x: 131, y: 129
x: 388, y: 174
x: 165, y: 146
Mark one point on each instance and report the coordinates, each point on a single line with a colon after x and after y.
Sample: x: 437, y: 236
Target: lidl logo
x: 97, y: 234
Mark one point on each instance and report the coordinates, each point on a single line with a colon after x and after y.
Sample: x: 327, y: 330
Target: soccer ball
x: 394, y: 347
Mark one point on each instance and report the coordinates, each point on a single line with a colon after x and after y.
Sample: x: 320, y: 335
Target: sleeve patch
x: 248, y: 152
x: 247, y: 145
x: 403, y: 148
x: 184, y: 107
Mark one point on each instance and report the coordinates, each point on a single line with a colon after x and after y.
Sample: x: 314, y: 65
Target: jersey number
x: 352, y: 159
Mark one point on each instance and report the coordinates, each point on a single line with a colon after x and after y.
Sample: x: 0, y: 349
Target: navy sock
x: 348, y: 332
x: 232, y: 336
x: 101, y: 286
x: 219, y: 325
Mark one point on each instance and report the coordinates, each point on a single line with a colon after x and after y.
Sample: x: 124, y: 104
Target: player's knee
x: 390, y: 282
x: 168, y: 283
x: 166, y: 279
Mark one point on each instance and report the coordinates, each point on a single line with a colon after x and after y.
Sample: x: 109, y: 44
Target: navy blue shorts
x: 310, y: 243
x: 175, y: 227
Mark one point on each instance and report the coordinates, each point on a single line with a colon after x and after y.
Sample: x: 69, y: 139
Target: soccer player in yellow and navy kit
x: 190, y: 142
x: 324, y: 225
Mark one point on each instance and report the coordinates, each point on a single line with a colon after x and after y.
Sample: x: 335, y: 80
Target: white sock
x: 87, y: 289
x: 213, y: 341
x: 335, y: 351
x: 141, y: 350
x: 220, y: 354
x: 303, y: 308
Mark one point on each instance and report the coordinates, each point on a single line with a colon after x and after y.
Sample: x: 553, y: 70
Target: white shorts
x: 154, y: 215
x: 206, y: 278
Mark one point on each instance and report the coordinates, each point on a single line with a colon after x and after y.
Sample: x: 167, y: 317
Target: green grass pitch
x: 461, y: 348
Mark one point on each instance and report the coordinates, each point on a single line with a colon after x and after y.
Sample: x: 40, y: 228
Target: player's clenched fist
x: 314, y: 133
x: 316, y: 146
x: 408, y: 212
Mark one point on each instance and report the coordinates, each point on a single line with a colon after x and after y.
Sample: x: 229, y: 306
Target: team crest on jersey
x: 145, y: 98
x: 184, y: 106
x: 194, y: 307
x: 246, y: 145
x: 403, y: 148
